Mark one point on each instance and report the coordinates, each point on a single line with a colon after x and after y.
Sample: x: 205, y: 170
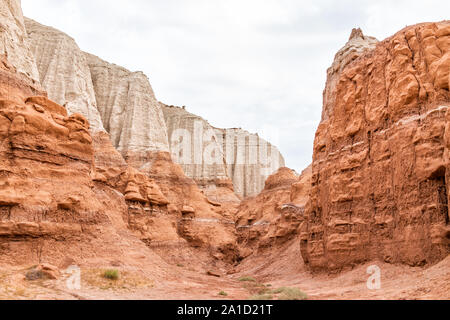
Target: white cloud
x: 237, y: 63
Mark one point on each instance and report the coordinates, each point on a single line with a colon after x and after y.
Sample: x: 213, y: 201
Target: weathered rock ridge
x: 380, y: 178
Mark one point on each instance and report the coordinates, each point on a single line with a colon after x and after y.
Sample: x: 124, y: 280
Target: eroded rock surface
x: 129, y: 111
x: 380, y: 178
x: 274, y: 216
x: 64, y: 72
x: 195, y: 146
x: 14, y: 43
x: 250, y: 160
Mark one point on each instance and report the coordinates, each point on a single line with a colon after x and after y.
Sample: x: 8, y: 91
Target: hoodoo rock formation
x: 380, y: 166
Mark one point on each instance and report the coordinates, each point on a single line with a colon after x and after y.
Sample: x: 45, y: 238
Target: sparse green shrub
x: 112, y: 274
x: 247, y: 279
x: 261, y: 297
x: 34, y: 274
x: 290, y: 294
x: 223, y: 294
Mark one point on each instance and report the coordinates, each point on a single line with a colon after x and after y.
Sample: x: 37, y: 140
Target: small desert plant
x: 247, y: 279
x: 34, y: 274
x: 261, y: 297
x: 179, y: 265
x: 223, y: 294
x: 290, y: 294
x: 112, y: 274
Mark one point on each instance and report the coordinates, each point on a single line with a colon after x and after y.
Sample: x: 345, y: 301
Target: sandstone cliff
x: 64, y: 72
x: 249, y: 159
x: 380, y: 178
x: 129, y: 111
x: 49, y: 208
x: 274, y: 216
x: 195, y: 146
x: 213, y: 157
x: 14, y: 43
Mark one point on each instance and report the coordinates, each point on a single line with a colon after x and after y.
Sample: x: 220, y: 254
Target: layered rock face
x: 49, y: 208
x: 64, y: 72
x: 275, y: 215
x: 214, y: 157
x: 195, y: 146
x: 380, y: 178
x: 14, y: 43
x: 129, y: 111
x: 250, y: 160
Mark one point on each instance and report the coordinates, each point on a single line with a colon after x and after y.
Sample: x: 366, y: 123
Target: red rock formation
x: 46, y: 193
x: 274, y: 216
x: 380, y: 178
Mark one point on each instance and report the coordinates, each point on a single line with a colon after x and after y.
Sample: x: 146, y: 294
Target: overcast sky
x: 252, y: 64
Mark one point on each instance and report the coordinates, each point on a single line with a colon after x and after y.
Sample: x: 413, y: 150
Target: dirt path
x: 273, y: 270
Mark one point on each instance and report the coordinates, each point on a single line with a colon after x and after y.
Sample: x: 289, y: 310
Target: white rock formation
x: 128, y: 107
x: 14, y: 41
x: 195, y: 146
x: 355, y: 47
x: 210, y: 155
x: 63, y: 71
x: 250, y: 160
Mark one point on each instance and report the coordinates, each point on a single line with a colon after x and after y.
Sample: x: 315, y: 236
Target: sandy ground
x: 190, y: 281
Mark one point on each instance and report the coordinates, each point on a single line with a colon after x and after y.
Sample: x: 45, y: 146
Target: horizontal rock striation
x: 380, y: 178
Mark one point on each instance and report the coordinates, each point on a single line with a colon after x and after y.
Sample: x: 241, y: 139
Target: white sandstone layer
x: 64, y: 72
x: 14, y: 42
x: 128, y: 108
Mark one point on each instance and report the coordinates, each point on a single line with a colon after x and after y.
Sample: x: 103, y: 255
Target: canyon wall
x: 64, y: 72
x: 14, y: 43
x: 129, y: 111
x: 274, y: 216
x: 250, y: 160
x: 122, y: 103
x: 380, y: 178
x: 213, y: 156
x: 195, y: 146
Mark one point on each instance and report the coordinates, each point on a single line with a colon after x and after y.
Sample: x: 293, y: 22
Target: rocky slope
x: 380, y: 178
